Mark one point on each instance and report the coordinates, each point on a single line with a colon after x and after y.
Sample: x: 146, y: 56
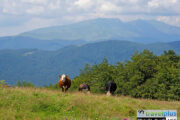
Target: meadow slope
x: 44, y: 104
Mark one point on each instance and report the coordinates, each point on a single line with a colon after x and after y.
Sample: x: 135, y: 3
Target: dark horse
x: 111, y: 87
x: 64, y: 82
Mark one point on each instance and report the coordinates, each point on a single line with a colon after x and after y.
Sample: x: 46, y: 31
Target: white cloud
x: 69, y: 11
x: 153, y: 3
x: 109, y: 7
x: 10, y: 7
x: 83, y: 3
x: 172, y: 20
x: 35, y: 10
x: 162, y: 3
x: 35, y: 1
x: 55, y: 5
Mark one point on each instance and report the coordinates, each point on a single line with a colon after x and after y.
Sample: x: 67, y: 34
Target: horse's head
x: 62, y: 77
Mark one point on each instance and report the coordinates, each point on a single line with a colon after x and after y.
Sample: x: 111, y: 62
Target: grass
x: 43, y: 104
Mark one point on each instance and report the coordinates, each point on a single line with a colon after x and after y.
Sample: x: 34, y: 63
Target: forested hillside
x: 145, y: 75
x: 43, y: 67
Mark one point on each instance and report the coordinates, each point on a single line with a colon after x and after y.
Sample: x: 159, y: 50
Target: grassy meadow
x: 44, y: 104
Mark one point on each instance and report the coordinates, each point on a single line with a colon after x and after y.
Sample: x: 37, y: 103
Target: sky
x: 17, y: 16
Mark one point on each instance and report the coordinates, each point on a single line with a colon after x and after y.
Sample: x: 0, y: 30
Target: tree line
x: 145, y: 75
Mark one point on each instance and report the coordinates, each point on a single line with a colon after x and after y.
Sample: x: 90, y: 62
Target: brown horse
x: 64, y: 82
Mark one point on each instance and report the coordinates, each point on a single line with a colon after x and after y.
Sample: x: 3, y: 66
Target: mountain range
x: 143, y: 31
x: 42, y: 67
x: 101, y: 29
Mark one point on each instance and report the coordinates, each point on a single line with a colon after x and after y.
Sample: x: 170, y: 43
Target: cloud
x: 56, y: 12
x: 35, y: 1
x: 164, y: 6
x: 55, y: 5
x: 48, y: 7
x: 85, y: 4
x: 35, y: 10
x: 153, y: 4
x: 109, y: 7
x: 163, y: 3
x: 10, y: 7
x: 172, y: 20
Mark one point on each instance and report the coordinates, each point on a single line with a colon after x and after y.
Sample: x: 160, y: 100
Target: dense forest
x: 145, y: 75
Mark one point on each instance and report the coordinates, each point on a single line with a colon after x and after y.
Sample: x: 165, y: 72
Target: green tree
x: 144, y: 76
x: 24, y: 84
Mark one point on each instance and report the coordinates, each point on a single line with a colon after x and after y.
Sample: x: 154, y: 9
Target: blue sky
x: 17, y: 16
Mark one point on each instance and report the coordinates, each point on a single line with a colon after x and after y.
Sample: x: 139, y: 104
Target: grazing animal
x: 64, y: 82
x: 111, y: 87
x: 85, y: 87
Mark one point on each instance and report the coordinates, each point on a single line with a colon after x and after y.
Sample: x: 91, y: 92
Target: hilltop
x: 44, y: 104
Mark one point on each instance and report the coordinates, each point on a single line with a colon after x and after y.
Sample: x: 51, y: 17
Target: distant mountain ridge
x: 96, y: 30
x: 21, y: 42
x: 110, y: 29
x: 42, y: 67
